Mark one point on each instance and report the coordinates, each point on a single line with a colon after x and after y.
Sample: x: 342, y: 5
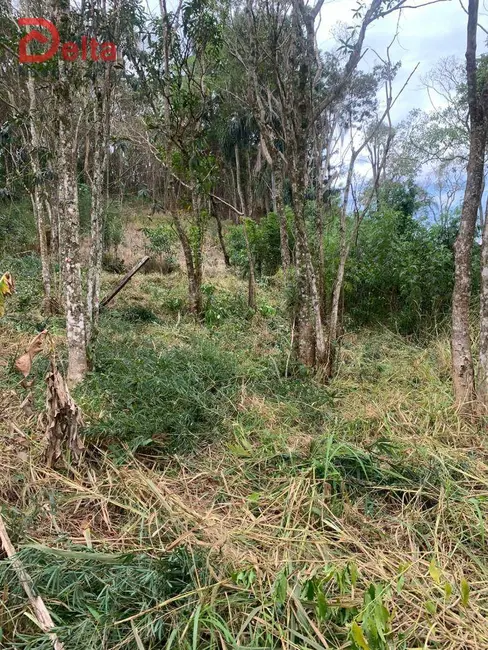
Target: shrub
x: 264, y: 238
x: 17, y: 226
x: 113, y: 264
x: 177, y: 396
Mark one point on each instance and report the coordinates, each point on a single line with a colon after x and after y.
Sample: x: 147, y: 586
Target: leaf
x: 448, y: 589
x: 464, y: 592
x: 7, y: 288
x: 96, y: 614
x: 196, y: 619
x: 431, y: 607
x: 24, y: 363
x: 321, y: 604
x: 358, y: 636
x: 435, y: 572
x: 353, y: 572
x: 281, y: 588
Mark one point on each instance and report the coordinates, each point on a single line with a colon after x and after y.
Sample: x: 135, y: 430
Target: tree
x: 462, y: 359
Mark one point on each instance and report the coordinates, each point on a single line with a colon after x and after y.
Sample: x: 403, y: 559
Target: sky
x: 426, y: 35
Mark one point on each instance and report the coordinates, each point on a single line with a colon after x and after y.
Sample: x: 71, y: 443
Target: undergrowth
x: 227, y: 499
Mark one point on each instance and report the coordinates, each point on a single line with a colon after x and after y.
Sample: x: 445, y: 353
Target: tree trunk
x: 69, y: 223
x: 462, y: 361
x: 194, y: 273
x: 482, y: 387
x: 38, y: 201
x: 220, y: 234
x: 247, y: 209
x: 279, y: 208
x: 305, y: 269
x: 97, y: 210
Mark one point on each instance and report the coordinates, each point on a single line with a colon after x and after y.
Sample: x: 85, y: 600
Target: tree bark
x: 482, y: 378
x: 220, y: 233
x: 38, y: 198
x: 279, y: 208
x: 100, y: 109
x: 246, y: 208
x: 69, y: 225
x: 193, y: 269
x: 462, y: 360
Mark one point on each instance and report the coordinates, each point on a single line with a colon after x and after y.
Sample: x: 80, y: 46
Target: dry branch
x: 40, y: 610
x: 124, y: 281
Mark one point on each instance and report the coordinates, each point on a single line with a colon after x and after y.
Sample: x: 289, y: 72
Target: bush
x: 400, y: 270
x: 139, y: 314
x: 164, y: 265
x: 88, y: 591
x: 178, y: 397
x: 17, y: 226
x: 264, y: 238
x: 113, y: 264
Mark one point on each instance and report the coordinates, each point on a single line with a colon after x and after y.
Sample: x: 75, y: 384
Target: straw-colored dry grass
x: 360, y: 504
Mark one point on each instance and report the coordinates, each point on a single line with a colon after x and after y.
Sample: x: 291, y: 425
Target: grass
x: 227, y: 500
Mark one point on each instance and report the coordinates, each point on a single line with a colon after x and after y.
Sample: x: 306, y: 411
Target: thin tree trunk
x: 251, y: 292
x: 462, y: 360
x: 220, y: 234
x: 37, y: 195
x: 482, y: 387
x: 193, y: 273
x: 97, y: 210
x: 305, y: 268
x: 279, y: 208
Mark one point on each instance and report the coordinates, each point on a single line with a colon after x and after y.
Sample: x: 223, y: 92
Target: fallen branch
x: 40, y: 610
x: 124, y: 281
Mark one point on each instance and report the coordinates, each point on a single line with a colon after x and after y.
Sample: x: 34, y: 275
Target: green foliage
x: 220, y: 306
x: 26, y: 271
x: 162, y: 241
x: 139, y: 314
x: 88, y: 592
x: 264, y: 238
x: 177, y: 398
x: 401, y: 269
x: 17, y: 225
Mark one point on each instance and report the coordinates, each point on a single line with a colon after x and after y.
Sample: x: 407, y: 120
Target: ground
x: 228, y: 500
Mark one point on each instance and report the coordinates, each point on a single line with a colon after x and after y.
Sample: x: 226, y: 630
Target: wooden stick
x: 40, y: 610
x: 124, y: 281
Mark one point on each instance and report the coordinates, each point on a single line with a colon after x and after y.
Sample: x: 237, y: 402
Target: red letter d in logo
x: 37, y: 36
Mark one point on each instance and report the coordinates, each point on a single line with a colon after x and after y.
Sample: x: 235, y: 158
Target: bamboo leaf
x: 464, y: 592
x: 358, y: 636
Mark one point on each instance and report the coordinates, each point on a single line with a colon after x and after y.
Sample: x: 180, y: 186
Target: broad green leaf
x: 358, y: 636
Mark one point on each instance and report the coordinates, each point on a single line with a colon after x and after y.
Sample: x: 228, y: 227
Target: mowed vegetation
x: 228, y: 499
